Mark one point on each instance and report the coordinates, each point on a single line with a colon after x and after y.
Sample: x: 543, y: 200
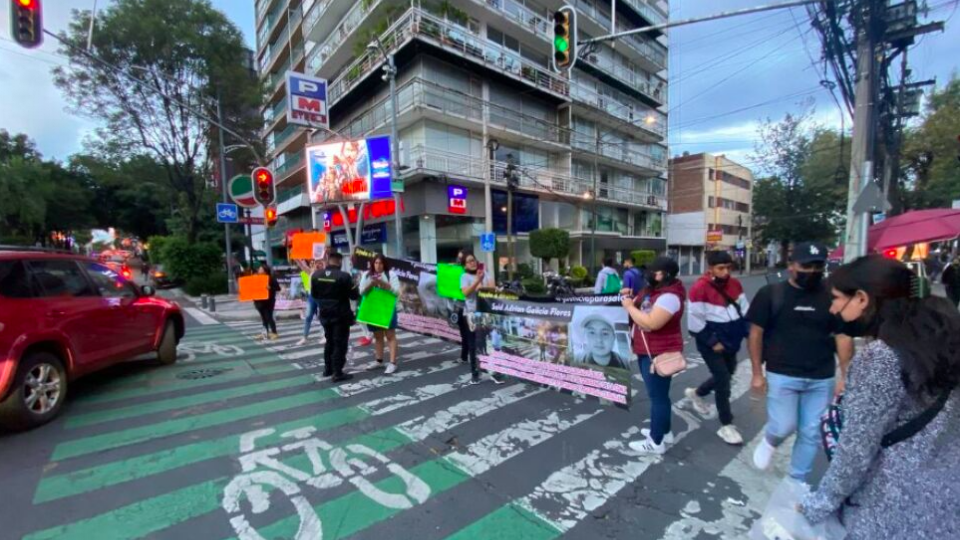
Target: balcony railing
x: 522, y: 15
x: 637, y: 114
x: 350, y: 22
x: 618, y: 152
x: 652, y: 50
x: 281, y: 138
x: 647, y: 11
x: 649, y: 85
x: 450, y: 36
x: 274, y: 113
x: 534, y: 179
x: 291, y: 162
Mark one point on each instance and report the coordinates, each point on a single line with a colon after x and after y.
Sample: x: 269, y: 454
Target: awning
x: 919, y: 226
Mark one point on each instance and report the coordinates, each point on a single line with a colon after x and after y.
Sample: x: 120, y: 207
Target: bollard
x: 213, y: 304
x: 203, y: 301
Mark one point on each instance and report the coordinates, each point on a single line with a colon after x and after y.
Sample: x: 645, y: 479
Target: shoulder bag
x: 665, y: 364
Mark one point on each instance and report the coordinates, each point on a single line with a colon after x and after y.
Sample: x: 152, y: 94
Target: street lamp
x: 390, y: 75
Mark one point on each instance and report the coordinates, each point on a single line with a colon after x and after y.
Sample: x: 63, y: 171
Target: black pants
x: 265, y: 308
x: 337, y: 334
x: 953, y: 293
x: 722, y: 366
x: 468, y: 344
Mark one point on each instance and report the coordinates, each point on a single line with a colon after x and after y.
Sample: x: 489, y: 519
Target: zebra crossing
x: 242, y: 439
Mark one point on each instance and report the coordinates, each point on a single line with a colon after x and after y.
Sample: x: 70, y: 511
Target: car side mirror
x: 148, y: 290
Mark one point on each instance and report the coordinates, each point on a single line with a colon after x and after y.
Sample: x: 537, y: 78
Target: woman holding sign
x: 380, y: 277
x: 266, y: 307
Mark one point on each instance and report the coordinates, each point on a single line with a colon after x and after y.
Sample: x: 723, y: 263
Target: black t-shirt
x: 798, y: 340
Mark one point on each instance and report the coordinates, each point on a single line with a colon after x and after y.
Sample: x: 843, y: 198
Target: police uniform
x: 333, y: 289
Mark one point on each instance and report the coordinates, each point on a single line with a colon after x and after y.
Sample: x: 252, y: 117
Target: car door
x: 71, y: 305
x: 132, y: 328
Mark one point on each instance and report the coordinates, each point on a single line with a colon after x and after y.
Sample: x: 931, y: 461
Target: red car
x: 63, y: 316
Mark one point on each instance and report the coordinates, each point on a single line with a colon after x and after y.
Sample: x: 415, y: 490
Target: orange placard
x: 302, y: 244
x: 255, y: 287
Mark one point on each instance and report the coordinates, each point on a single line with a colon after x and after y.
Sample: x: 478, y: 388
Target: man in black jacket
x: 333, y: 289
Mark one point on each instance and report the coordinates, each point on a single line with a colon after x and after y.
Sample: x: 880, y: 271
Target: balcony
x: 521, y: 15
x: 647, y: 86
x: 417, y: 23
x: 648, y: 12
x: 282, y: 138
x: 619, y: 153
x: 291, y: 199
x: 636, y: 114
x: 290, y: 164
x: 273, y: 115
x: 648, y: 51
x: 535, y: 179
x: 339, y: 34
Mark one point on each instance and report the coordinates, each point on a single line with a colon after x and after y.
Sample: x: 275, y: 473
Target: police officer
x: 333, y: 289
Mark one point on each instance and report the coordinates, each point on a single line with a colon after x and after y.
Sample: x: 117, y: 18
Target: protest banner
x: 302, y: 245
x: 448, y: 281
x: 377, y: 307
x: 256, y: 287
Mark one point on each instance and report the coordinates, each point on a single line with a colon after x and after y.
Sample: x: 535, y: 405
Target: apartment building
x: 475, y: 89
x: 711, y: 207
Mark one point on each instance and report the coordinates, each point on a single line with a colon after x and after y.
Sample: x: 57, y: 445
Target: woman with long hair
x: 379, y: 276
x: 266, y: 307
x: 656, y: 314
x: 895, y: 471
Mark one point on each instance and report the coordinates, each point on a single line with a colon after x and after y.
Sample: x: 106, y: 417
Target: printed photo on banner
x: 601, y: 337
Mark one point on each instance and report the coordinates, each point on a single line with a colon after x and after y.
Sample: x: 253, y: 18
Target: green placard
x: 448, y: 281
x: 377, y: 308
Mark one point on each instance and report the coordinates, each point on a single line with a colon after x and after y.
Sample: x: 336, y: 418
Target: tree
x: 549, y: 244
x: 188, y: 54
x: 804, y: 196
x: 931, y: 173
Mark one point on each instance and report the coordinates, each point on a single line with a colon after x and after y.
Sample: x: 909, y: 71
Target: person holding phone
x: 470, y: 283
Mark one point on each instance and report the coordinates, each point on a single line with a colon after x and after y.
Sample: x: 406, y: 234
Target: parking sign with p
x: 307, y: 101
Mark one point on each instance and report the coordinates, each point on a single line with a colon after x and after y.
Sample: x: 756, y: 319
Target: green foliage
x: 525, y: 271
x: 930, y: 168
x: 210, y: 284
x: 643, y: 257
x: 578, y: 274
x: 186, y: 260
x: 549, y: 244
x: 534, y: 286
x: 155, y: 252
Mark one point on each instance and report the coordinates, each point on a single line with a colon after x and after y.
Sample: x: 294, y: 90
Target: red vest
x: 670, y: 337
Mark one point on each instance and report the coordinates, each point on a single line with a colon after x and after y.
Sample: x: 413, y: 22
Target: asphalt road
x: 240, y: 439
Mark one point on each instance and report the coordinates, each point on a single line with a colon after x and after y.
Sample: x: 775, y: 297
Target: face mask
x: 855, y: 328
x: 721, y: 281
x: 809, y: 281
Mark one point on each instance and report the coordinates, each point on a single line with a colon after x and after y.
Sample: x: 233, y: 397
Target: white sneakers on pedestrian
x: 698, y: 403
x: 497, y: 379
x: 763, y: 455
x: 730, y: 434
x: 391, y: 369
x: 302, y: 342
x: 373, y: 366
x: 647, y: 446
x: 667, y: 439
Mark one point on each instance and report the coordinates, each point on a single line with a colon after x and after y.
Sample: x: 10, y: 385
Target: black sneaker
x: 342, y: 377
x: 475, y: 379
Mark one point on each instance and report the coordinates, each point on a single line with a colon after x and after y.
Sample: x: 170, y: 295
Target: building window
x: 526, y: 212
x: 730, y: 179
x: 728, y: 204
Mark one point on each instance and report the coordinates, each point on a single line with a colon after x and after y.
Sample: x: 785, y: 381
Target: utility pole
x: 231, y: 282
x: 492, y: 146
x: 864, y: 120
x: 593, y: 207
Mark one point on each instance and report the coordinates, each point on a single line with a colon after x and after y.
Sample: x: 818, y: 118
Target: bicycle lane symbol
x: 188, y: 351
x: 264, y: 473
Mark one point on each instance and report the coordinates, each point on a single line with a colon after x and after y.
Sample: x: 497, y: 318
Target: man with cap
x: 716, y: 319
x: 333, y: 289
x: 794, y: 334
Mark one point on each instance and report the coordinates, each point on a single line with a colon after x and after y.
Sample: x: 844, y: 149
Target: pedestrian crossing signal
x: 564, y: 38
x: 26, y: 22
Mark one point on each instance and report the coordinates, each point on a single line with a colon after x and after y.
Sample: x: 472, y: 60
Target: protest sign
x: 448, y: 281
x: 256, y: 287
x: 303, y: 245
x: 377, y: 308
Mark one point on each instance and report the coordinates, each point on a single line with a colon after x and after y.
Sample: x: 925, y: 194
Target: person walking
x: 656, y: 314
x: 951, y: 280
x: 632, y: 277
x: 608, y: 280
x: 266, y: 307
x: 306, y: 275
x: 470, y: 283
x: 333, y: 289
x: 715, y: 318
x: 379, y: 276
x: 895, y: 471
x: 793, y: 332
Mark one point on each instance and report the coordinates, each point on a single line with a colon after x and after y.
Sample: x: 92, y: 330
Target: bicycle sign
x: 188, y: 350
x: 265, y: 473
x: 227, y: 213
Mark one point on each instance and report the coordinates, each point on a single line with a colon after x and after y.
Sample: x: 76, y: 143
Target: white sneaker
x: 730, y: 435
x: 302, y: 342
x: 391, y: 369
x: 497, y: 378
x: 647, y: 446
x: 373, y: 366
x: 698, y: 403
x: 763, y: 455
x: 667, y: 439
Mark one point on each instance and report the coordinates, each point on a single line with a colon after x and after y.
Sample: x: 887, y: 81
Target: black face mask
x: 855, y: 328
x: 721, y: 281
x: 809, y: 281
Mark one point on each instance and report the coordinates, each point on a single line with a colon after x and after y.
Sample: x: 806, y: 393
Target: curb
x: 237, y: 315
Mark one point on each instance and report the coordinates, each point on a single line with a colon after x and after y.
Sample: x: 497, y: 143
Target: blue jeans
x: 658, y: 388
x: 795, y: 405
x: 312, y: 309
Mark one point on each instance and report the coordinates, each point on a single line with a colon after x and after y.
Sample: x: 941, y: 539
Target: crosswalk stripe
x: 570, y: 494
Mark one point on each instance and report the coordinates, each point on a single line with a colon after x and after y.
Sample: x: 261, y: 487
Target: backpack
x: 612, y: 285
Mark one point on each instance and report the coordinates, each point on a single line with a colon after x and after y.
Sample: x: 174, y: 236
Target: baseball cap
x: 809, y: 252
x: 718, y: 257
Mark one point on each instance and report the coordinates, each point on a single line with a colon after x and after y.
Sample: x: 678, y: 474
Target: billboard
x: 349, y: 171
x: 307, y: 101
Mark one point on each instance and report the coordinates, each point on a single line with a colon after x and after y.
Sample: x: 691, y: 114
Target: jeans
x: 312, y: 310
x: 796, y: 404
x: 658, y: 388
x: 721, y: 366
x: 468, y: 344
x: 335, y: 349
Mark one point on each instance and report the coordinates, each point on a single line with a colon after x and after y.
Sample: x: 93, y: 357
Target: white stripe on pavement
x: 200, y: 316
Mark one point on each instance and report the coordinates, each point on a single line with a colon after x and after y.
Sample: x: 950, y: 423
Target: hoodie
x: 711, y: 319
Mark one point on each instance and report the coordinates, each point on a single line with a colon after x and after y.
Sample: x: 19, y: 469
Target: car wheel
x: 40, y: 388
x: 167, y: 351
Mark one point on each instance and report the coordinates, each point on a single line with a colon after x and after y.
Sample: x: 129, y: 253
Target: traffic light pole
x: 231, y: 282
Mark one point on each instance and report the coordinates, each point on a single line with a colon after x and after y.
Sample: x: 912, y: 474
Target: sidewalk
x: 228, y: 308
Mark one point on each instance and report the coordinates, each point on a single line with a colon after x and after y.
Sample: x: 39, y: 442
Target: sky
x: 726, y: 76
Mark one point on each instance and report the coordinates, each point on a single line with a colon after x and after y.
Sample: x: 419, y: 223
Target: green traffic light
x: 561, y: 43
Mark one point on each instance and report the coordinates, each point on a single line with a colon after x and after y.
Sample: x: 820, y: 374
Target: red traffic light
x: 264, y: 190
x: 270, y: 216
x: 26, y: 22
